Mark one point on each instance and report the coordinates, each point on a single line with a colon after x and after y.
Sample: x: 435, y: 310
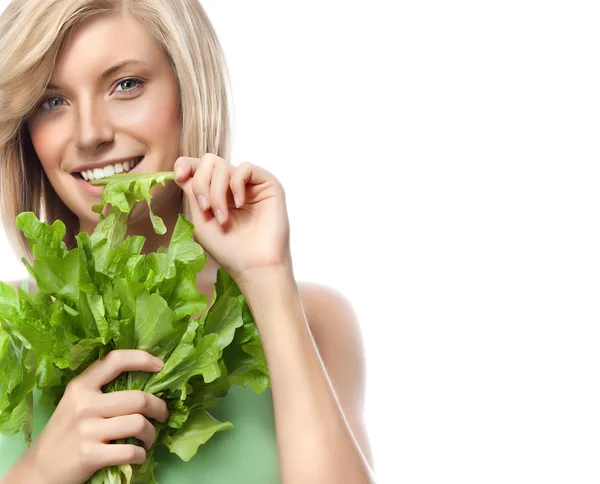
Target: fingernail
x: 159, y: 362
x: 178, y: 172
x: 236, y: 199
x: 203, y: 202
x: 220, y: 217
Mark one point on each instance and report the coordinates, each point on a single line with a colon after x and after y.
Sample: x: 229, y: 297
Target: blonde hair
x: 33, y: 33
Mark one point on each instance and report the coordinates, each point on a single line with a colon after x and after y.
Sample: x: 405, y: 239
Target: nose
x: 93, y: 127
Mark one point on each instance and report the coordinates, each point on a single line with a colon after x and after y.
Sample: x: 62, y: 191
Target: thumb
x: 182, y: 170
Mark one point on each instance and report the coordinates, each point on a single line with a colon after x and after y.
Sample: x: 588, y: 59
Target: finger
x: 117, y: 454
x: 240, y: 176
x: 182, y: 169
x: 201, y: 181
x: 252, y: 174
x: 116, y: 362
x: 126, y: 402
x: 219, y: 189
x: 125, y: 426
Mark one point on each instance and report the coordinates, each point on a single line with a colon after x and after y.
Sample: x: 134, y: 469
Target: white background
x: 441, y: 166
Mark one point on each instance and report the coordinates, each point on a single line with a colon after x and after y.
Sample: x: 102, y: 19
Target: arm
x: 23, y: 471
x: 315, y: 440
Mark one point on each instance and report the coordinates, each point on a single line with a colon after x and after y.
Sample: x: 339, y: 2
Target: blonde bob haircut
x: 33, y: 33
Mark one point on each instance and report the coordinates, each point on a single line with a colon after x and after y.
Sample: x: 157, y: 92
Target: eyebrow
x: 107, y: 73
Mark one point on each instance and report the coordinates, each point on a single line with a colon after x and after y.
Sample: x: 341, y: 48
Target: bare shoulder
x: 319, y: 297
x: 336, y: 330
x: 332, y: 319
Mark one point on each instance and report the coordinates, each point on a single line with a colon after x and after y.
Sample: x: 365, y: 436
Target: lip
x: 96, y: 190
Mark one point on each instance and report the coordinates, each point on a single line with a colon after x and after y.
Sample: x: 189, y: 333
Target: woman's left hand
x: 246, y: 237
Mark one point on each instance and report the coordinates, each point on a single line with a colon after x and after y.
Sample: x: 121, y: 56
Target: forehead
x: 103, y: 41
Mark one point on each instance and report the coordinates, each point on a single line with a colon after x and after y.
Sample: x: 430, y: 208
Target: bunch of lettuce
x: 104, y: 295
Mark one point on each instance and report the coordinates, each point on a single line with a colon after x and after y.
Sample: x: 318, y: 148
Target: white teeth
x: 108, y: 170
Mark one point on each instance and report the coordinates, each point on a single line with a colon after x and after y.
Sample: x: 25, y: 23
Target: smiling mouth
x: 104, y: 174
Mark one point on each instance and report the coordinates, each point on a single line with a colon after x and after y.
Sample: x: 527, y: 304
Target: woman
x: 93, y: 87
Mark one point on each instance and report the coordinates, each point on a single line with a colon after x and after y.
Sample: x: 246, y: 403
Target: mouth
x: 96, y: 190
x: 99, y: 173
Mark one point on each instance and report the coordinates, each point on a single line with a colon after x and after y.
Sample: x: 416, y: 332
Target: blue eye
x: 129, y: 81
x: 128, y: 85
x: 52, y: 106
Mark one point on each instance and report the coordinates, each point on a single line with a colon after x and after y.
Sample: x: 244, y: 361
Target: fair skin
x: 310, y: 333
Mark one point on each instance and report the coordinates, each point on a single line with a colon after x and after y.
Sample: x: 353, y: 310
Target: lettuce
x: 104, y: 295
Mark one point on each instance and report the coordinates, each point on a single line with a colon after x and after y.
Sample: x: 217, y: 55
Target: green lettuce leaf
x: 197, y: 430
x: 105, y: 294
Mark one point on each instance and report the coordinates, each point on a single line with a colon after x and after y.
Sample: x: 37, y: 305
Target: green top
x: 246, y: 453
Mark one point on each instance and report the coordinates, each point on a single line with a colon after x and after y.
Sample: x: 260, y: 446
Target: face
x: 113, y: 100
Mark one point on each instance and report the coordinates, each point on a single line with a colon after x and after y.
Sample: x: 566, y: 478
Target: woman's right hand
x: 75, y: 442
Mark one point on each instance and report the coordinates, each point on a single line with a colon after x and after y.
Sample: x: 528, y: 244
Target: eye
x: 128, y: 83
x: 50, y: 103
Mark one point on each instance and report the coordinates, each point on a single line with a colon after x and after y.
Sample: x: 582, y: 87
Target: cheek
x: 156, y: 119
x: 47, y: 140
